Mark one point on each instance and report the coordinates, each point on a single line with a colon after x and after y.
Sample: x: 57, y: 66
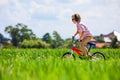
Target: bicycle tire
x: 68, y: 56
x: 98, y: 56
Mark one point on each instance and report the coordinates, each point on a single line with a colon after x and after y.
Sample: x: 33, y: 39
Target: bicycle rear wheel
x: 68, y: 56
x: 98, y: 56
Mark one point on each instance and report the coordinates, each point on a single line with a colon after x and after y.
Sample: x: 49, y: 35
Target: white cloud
x: 4, y: 2
x: 38, y: 14
x: 57, y: 8
x: 12, y: 12
x: 40, y: 8
x: 79, y: 2
x: 15, y: 12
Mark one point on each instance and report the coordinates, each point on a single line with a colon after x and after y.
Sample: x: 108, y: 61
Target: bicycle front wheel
x: 98, y: 56
x: 68, y: 56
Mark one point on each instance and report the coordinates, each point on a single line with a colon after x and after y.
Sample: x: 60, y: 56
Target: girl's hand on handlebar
x: 79, y: 40
x: 73, y: 37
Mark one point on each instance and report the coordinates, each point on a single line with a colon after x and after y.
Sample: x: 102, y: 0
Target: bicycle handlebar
x: 73, y: 38
x: 74, y: 41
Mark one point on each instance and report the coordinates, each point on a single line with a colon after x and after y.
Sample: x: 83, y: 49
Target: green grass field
x: 46, y: 64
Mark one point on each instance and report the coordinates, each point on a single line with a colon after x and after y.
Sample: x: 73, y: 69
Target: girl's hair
x: 76, y: 17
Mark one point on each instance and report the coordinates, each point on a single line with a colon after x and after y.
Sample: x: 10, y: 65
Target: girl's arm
x: 75, y: 34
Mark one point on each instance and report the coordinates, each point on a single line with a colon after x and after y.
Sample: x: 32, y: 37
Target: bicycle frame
x: 79, y: 52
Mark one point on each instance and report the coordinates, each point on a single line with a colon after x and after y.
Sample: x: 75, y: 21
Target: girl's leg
x: 83, y: 45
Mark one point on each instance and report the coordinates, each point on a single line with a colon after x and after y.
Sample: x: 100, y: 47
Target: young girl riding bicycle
x: 82, y: 30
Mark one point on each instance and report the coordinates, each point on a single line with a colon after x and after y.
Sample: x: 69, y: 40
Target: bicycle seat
x: 91, y: 43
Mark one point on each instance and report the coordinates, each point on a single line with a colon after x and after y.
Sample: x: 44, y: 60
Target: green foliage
x: 99, y: 38
x: 36, y: 43
x: 1, y: 36
x: 47, y: 38
x: 19, y: 33
x: 114, y: 43
x: 46, y: 64
x: 4, y: 42
x: 57, y: 40
x: 8, y: 46
x: 67, y: 43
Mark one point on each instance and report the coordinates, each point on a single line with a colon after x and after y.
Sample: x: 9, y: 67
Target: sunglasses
x: 73, y: 19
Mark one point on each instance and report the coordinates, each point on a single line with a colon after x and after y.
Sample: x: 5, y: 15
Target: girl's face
x: 73, y: 20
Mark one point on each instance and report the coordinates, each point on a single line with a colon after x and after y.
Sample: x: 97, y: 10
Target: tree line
x: 23, y: 37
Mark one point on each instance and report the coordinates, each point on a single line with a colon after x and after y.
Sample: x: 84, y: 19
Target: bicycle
x: 94, y: 56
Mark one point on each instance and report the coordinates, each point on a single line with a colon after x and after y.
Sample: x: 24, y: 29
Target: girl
x: 85, y: 35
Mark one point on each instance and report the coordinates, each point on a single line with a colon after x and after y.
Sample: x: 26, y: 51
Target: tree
x: 99, y: 38
x: 47, y: 38
x: 57, y: 41
x: 1, y: 37
x: 114, y: 42
x: 19, y: 32
x: 67, y: 43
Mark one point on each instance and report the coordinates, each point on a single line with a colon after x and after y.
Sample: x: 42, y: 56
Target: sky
x: 42, y: 16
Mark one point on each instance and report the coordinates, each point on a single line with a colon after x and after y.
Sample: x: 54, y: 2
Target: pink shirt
x: 81, y: 28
